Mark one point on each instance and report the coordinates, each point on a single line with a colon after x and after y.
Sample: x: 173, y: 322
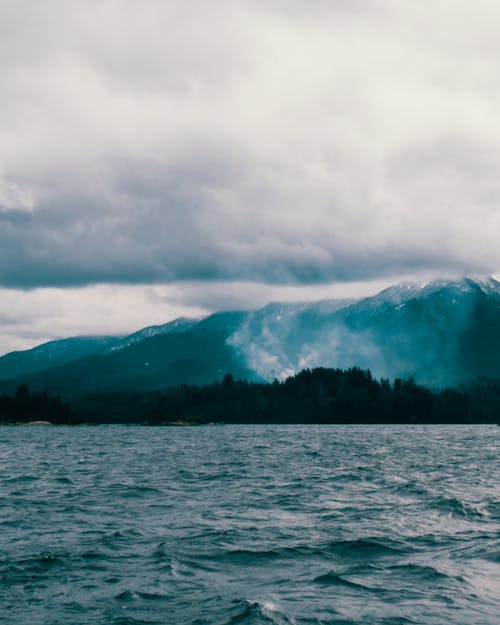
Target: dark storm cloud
x: 83, y: 240
x: 285, y: 142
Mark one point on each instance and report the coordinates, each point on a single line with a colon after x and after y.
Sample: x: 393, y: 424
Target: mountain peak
x: 411, y: 290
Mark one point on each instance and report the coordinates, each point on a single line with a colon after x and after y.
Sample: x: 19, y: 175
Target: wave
x: 22, y: 479
x: 461, y: 508
x: 423, y: 572
x: 247, y: 556
x: 130, y: 620
x: 130, y: 491
x: 29, y: 569
x: 125, y: 536
x: 134, y: 595
x: 257, y: 613
x: 396, y: 620
x: 363, y: 547
x: 334, y: 579
x: 356, y: 549
x: 278, y: 542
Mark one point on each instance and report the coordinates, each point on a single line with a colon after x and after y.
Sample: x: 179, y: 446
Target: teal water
x: 250, y: 524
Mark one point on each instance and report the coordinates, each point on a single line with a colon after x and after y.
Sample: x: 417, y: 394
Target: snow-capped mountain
x: 177, y: 325
x: 60, y: 352
x: 54, y: 354
x: 440, y: 332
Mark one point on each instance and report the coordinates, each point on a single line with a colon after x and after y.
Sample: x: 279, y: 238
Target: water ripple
x: 283, y: 525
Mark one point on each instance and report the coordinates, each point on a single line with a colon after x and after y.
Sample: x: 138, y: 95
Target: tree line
x: 312, y: 396
x: 25, y: 406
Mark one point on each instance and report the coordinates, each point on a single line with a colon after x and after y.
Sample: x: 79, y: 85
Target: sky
x: 174, y: 157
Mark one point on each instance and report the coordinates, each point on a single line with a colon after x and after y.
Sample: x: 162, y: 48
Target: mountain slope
x: 278, y: 340
x: 63, y: 351
x: 435, y: 333
x: 54, y: 354
x: 442, y: 332
x: 196, y: 355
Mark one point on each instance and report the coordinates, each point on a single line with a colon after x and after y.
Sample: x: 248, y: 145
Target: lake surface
x: 250, y: 524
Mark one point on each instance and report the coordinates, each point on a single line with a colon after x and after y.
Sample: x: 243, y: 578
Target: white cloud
x: 281, y: 141
x: 28, y: 318
x: 14, y: 198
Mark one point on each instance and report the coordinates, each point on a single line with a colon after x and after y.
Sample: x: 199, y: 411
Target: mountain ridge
x: 439, y: 332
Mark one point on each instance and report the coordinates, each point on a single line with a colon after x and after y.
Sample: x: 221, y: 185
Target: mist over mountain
x: 440, y: 333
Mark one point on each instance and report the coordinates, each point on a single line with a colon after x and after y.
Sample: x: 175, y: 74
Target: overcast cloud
x: 280, y: 142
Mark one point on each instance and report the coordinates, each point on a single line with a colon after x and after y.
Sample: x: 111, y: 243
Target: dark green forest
x: 312, y: 396
x: 25, y: 406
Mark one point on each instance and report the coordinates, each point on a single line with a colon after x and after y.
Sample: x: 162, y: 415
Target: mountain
x: 441, y: 332
x: 281, y: 339
x: 54, y: 354
x: 196, y: 353
x: 177, y: 325
x: 60, y: 352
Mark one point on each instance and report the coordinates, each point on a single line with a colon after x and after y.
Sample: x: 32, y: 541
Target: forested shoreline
x: 312, y: 396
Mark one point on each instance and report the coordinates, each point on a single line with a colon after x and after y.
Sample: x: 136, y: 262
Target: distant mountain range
x: 441, y: 332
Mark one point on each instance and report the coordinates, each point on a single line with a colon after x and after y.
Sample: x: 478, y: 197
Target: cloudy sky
x: 173, y: 157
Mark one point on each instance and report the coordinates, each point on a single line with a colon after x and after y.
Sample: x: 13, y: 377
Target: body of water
x: 250, y: 524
